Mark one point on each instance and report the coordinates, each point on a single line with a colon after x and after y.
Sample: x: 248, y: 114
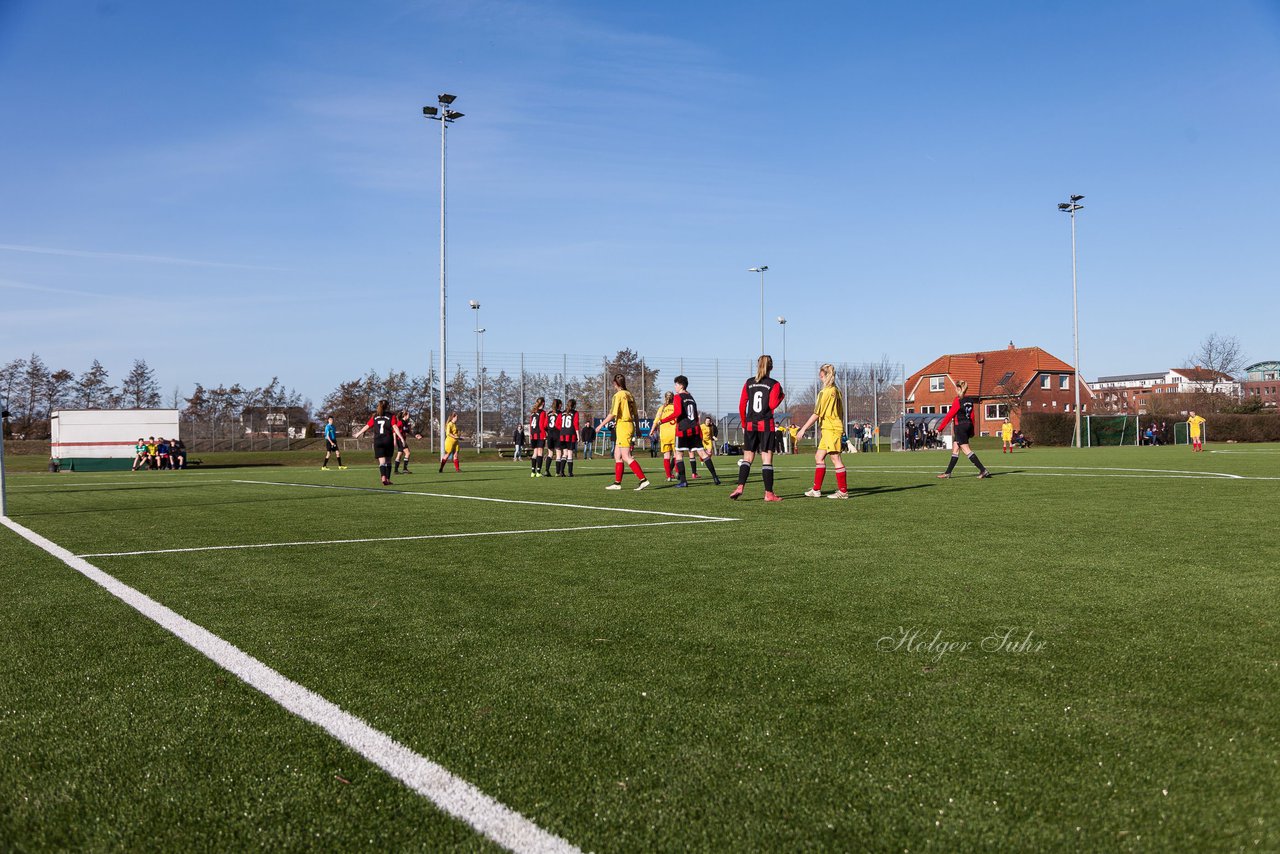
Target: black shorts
x: 536, y: 443
x: 330, y: 445
x: 760, y: 441
x: 384, y: 449
x: 964, y: 432
x: 553, y: 440
x: 401, y: 444
x: 692, y: 442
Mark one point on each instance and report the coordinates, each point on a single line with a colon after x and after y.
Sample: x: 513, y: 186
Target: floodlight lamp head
x: 474, y: 303
x: 1063, y: 206
x: 446, y: 99
x: 1076, y: 198
x: 782, y: 320
x: 453, y: 114
x: 429, y: 111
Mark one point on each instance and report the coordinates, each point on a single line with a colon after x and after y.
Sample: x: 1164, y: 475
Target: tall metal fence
x: 234, y: 434
x: 494, y: 400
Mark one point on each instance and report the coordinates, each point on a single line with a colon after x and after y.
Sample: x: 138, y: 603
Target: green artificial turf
x: 719, y: 685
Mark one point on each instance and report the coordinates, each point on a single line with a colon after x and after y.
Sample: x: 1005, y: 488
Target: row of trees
x: 33, y: 390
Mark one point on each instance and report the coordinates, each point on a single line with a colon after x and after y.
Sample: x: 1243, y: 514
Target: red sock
x: 455, y: 465
x: 666, y: 465
x: 617, y: 472
x: 636, y: 470
x: 842, y: 481
x: 819, y: 473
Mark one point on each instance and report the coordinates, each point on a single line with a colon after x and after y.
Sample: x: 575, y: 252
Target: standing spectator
x: 588, y: 440
x: 517, y: 439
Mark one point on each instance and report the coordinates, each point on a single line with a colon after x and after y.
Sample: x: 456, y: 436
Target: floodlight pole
x: 782, y: 321
x: 475, y: 306
x: 761, y: 270
x: 445, y: 115
x: 1070, y: 208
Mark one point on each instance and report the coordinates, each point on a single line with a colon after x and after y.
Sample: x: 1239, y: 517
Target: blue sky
x: 239, y: 190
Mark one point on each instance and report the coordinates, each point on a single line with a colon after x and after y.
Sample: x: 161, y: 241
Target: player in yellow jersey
x: 665, y: 426
x: 451, y: 442
x: 1196, y: 423
x: 829, y: 413
x: 708, y: 430
x: 622, y: 414
x: 1006, y: 437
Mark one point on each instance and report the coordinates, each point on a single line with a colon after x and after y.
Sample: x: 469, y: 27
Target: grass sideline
x: 716, y: 686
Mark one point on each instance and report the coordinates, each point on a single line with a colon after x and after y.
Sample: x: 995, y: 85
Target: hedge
x: 1058, y: 428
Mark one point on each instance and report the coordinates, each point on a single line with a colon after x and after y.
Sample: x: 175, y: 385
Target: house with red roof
x: 1007, y: 382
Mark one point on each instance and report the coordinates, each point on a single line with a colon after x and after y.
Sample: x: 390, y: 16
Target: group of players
x: 159, y: 453
x: 554, y: 435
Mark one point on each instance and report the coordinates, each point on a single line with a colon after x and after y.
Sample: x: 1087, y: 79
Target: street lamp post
x: 4, y: 420
x: 1070, y: 208
x: 445, y: 115
x: 760, y: 269
x: 782, y: 321
x: 475, y: 306
x: 480, y: 381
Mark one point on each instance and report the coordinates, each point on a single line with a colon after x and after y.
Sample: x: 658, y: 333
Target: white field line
x: 399, y: 539
x: 384, y: 491
x: 450, y: 793
x: 89, y: 484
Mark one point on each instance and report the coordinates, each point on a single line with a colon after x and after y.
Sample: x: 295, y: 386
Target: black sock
x: 766, y: 471
x: 744, y: 472
x: 339, y: 460
x: 973, y: 458
x: 680, y: 475
x: 693, y: 465
x: 570, y: 468
x: 397, y: 467
x: 324, y: 464
x: 952, y: 464
x: 711, y: 468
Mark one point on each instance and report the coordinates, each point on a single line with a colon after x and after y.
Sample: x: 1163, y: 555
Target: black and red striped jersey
x: 538, y: 425
x: 569, y: 422
x: 961, y: 412
x: 758, y: 401
x: 686, y: 414
x: 383, y: 426
x: 553, y: 421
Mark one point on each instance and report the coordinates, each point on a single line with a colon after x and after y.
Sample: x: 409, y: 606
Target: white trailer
x: 104, y: 439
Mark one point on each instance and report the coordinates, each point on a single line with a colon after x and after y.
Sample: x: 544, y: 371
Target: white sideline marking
x: 398, y: 539
x: 384, y: 491
x: 450, y: 793
x: 89, y: 484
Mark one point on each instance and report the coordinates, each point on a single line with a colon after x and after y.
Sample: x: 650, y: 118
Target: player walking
x: 331, y: 445
x: 688, y: 437
x: 761, y: 395
x: 386, y: 427
x: 665, y: 426
x: 1195, y: 424
x: 402, y: 444
x: 569, y: 425
x: 622, y: 414
x: 537, y: 435
x: 829, y: 413
x: 961, y: 412
x: 553, y: 437
x: 452, y: 444
x: 1006, y: 437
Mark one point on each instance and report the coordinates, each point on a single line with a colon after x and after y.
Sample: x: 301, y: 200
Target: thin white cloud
x: 129, y: 256
x: 45, y: 289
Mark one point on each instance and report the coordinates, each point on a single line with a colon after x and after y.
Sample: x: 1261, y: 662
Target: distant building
x: 1007, y: 382
x: 1262, y: 380
x: 1131, y: 392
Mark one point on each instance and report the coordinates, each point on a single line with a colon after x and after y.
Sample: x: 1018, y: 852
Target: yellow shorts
x: 830, y: 442
x: 626, y: 433
x: 667, y: 445
x: 706, y: 446
x: 450, y: 446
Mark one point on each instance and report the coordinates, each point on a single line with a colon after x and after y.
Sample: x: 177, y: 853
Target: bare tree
x: 1220, y: 353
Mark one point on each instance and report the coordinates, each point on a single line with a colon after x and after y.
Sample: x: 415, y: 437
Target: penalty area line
x: 384, y: 491
x: 404, y: 538
x: 450, y: 793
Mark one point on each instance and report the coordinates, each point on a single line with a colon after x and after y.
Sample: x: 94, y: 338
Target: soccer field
x: 1079, y: 653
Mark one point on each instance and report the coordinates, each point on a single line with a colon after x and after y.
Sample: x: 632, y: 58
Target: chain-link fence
x: 240, y: 434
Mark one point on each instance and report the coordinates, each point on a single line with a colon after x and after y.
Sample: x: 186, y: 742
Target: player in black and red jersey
x: 961, y: 412
x: 537, y: 435
x: 553, y: 437
x: 569, y: 426
x: 761, y: 395
x: 688, y: 434
x: 386, y: 429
